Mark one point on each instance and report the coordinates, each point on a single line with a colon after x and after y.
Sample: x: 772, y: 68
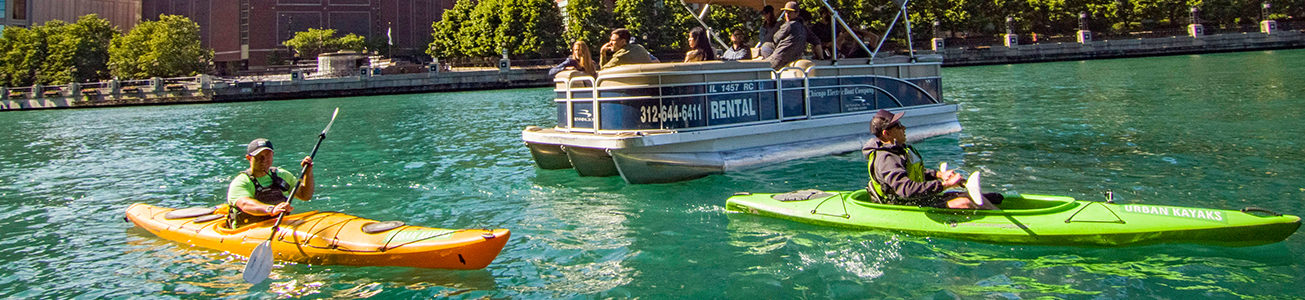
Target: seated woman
x: 701, y: 45
x: 579, y: 59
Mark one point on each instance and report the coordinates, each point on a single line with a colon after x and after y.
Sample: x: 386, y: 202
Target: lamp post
x: 1267, y: 26
x: 1195, y: 29
x: 1011, y: 39
x: 1084, y: 34
x: 938, y: 44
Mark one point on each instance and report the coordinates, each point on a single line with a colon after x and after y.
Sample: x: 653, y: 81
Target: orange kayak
x: 327, y: 238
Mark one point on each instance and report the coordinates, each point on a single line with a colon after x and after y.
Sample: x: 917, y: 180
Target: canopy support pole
x: 890, y: 30
x: 834, y: 13
x: 710, y: 32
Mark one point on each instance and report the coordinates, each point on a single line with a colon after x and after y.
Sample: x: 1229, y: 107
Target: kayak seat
x: 801, y: 195
x: 379, y: 227
x: 188, y: 213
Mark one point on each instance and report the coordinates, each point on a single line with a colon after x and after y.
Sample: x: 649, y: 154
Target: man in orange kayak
x: 260, y: 192
x: 898, y: 176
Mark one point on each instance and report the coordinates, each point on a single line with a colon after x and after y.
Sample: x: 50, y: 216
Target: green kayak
x: 1030, y: 220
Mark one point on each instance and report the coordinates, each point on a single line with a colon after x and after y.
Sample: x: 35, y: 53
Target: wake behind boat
x: 667, y: 122
x: 1030, y: 220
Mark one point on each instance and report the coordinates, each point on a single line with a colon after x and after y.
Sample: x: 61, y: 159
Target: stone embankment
x: 1177, y: 45
x: 206, y: 89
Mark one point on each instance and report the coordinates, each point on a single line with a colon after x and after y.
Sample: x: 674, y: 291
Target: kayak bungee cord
x: 844, y: 215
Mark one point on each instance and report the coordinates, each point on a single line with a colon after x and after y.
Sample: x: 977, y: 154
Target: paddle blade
x: 260, y: 263
x: 328, y: 125
x: 972, y: 186
x: 942, y: 166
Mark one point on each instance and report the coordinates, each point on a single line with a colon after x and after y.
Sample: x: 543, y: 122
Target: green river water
x: 1216, y: 131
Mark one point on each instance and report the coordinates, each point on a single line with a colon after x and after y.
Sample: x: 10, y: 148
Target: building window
x: 20, y: 10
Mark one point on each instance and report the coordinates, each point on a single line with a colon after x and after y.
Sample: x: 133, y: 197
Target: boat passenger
x: 792, y: 38
x: 619, y: 51
x: 766, y: 37
x: 261, y: 192
x: 739, y: 50
x: 580, y: 60
x: 701, y: 45
x: 822, y: 31
x: 898, y: 176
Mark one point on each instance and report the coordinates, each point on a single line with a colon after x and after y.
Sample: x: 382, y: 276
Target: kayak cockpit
x: 1013, y: 204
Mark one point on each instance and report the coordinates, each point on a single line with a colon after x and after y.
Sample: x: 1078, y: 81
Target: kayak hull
x: 331, y: 238
x: 1033, y: 220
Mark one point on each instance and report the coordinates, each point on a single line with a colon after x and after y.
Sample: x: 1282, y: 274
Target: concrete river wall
x: 1177, y: 45
x: 206, y: 89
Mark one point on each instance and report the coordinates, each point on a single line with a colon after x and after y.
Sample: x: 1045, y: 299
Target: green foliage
x: 480, y: 29
x: 446, y: 42
x: 168, y: 47
x: 317, y: 41
x: 526, y: 28
x: 24, y: 51
x: 56, y: 52
x: 658, y: 25
x: 589, y: 21
x: 529, y: 29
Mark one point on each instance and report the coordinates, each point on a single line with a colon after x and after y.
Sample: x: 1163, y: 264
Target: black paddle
x: 260, y: 261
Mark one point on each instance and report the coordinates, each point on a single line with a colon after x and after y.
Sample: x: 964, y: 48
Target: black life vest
x: 272, y: 195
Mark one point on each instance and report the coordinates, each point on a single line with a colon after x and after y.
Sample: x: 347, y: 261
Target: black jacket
x: 890, y: 171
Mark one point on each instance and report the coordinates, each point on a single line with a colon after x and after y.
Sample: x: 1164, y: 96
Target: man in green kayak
x: 898, y: 176
x: 260, y: 192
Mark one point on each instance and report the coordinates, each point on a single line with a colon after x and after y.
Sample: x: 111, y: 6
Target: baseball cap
x: 893, y: 120
x: 790, y: 6
x: 258, y: 145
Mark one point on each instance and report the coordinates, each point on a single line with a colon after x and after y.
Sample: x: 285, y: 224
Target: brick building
x: 244, y: 34
x: 121, y: 13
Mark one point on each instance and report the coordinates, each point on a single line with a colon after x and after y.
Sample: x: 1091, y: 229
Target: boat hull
x: 662, y: 157
x: 1034, y: 220
x: 657, y: 123
x: 331, y: 238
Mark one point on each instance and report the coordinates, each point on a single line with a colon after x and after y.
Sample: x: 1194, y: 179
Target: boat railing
x: 591, y: 91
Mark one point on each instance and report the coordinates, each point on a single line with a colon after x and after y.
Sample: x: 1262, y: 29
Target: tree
x: 482, y: 29
x: 525, y: 28
x: 476, y: 38
x: 84, y: 46
x: 445, y: 41
x: 22, y: 51
x: 588, y: 21
x: 317, y: 41
x: 659, y: 25
x: 168, y: 47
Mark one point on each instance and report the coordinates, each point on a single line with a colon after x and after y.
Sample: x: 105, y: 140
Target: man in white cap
x: 261, y: 192
x: 898, y: 176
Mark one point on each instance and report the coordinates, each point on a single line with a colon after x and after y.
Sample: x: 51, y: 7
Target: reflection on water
x: 1212, y: 131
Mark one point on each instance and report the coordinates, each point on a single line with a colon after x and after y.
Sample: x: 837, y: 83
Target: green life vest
x: 914, y: 171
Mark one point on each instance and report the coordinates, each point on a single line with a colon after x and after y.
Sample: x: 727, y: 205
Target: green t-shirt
x: 242, y: 187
